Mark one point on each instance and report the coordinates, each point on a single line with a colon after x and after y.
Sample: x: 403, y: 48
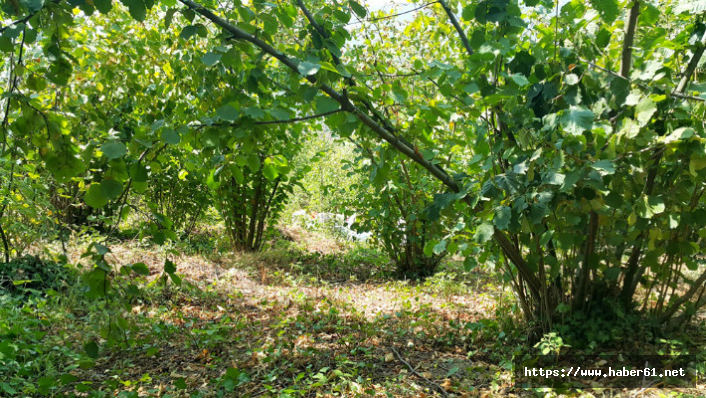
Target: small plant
x: 551, y: 343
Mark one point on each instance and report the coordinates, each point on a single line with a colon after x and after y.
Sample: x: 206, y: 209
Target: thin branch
x: 629, y: 39
x: 438, y: 387
x: 126, y: 192
x: 349, y: 80
x: 643, y: 86
x: 693, y: 63
x: 299, y: 119
x: 281, y: 121
x: 457, y: 26
x: 388, y: 75
x: 392, y: 15
x: 19, y: 21
x: 316, y: 26
x: 26, y: 17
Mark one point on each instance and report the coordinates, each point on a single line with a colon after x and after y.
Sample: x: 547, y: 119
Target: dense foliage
x: 562, y: 143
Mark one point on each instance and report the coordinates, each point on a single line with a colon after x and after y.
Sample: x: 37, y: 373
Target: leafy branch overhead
x: 561, y: 142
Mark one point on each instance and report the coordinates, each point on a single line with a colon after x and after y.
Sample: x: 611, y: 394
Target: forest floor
x: 286, y: 323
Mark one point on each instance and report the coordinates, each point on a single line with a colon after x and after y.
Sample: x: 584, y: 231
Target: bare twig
x: 392, y: 15
x: 438, y: 387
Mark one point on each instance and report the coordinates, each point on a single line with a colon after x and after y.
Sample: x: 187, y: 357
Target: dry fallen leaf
x: 446, y: 385
x: 389, y: 357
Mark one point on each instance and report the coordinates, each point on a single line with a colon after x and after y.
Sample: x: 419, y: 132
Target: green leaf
x: 503, y: 215
x: 468, y: 12
x: 169, y: 266
x: 342, y: 16
x: 228, y: 113
x: 484, y: 233
x: 603, y: 38
x: 608, y: 9
x: 576, y: 120
x: 237, y: 172
x: 187, y: 32
x: 614, y: 200
x: 111, y: 188
x: 471, y: 88
x: 67, y: 378
x: 648, y: 206
x: 326, y: 104
x: 104, y: 6
x: 440, y: 247
x: 60, y: 71
x: 33, y: 5
x: 175, y: 278
x: 546, y: 237
x: 241, y: 160
x: 140, y: 269
x: 441, y: 201
x: 211, y: 58
x: 308, y: 69
x: 95, y: 197
x: 254, y: 112
x: 398, y: 95
x: 604, y: 166
x: 91, y: 349
x: 180, y: 383
x: 469, y: 263
x: 254, y: 163
x: 113, y: 150
x: 170, y: 136
x: 519, y: 79
x: 570, y: 180
x: 169, y: 17
x: 680, y: 134
x: 358, y: 9
x: 551, y: 177
x: 8, y: 388
x: 137, y: 9
x: 269, y: 170
x: 138, y: 172
x: 644, y: 111
x: 538, y: 211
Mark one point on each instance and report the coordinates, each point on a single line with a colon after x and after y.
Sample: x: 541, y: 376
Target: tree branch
x: 629, y: 39
x: 267, y: 122
x: 457, y: 26
x: 667, y: 314
x: 19, y: 21
x: 393, y: 15
x: 300, y: 119
x: 693, y: 63
x: 345, y: 103
x: 316, y: 26
x: 438, y: 387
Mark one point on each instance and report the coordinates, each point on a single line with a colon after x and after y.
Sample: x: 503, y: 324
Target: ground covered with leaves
x: 290, y: 322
